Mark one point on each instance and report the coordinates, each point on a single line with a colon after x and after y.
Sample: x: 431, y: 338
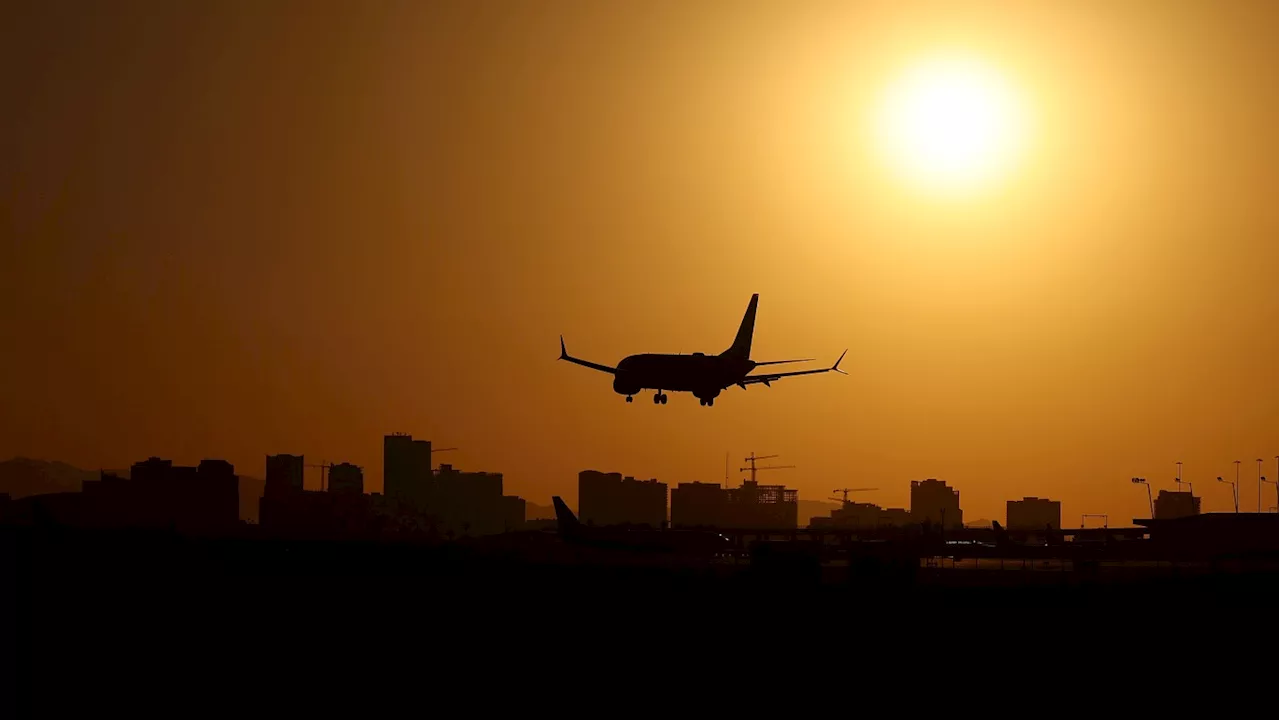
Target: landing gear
x: 659, y: 399
x: 628, y: 398
x: 706, y: 402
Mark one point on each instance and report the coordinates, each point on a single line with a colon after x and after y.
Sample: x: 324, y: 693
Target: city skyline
x: 373, y: 484
x: 219, y: 248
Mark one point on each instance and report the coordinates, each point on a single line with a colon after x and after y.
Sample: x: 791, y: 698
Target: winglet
x: 563, y: 354
x: 836, y: 367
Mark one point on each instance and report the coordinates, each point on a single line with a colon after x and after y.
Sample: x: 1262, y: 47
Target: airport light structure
x: 1237, y: 487
x: 1259, y: 484
x: 1235, y: 496
x: 1105, y: 520
x: 1178, y: 480
x: 1264, y: 479
x: 1151, y: 503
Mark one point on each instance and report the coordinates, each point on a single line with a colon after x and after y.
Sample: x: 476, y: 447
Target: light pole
x: 1259, y: 484
x: 1178, y: 479
x: 1234, y: 497
x: 1150, y: 502
x: 1273, y: 482
x: 1236, y: 487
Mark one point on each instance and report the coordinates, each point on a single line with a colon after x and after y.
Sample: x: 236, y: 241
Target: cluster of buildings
x: 205, y: 499
x: 416, y: 497
x: 937, y: 504
x: 933, y: 502
x: 611, y: 499
x: 199, y: 499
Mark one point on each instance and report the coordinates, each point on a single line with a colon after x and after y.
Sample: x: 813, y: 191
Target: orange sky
x: 235, y: 228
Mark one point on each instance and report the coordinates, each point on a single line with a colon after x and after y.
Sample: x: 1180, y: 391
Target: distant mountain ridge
x: 809, y: 509
x: 22, y: 477
x: 534, y: 511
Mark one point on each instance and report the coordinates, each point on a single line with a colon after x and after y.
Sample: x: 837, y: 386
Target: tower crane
x: 323, y: 465
x: 846, y: 491
x: 753, y: 468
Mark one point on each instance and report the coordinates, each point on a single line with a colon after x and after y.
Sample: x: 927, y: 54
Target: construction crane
x: 846, y: 491
x: 323, y: 465
x: 436, y: 450
x: 753, y: 468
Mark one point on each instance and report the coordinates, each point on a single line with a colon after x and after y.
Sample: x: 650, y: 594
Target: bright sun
x: 949, y: 125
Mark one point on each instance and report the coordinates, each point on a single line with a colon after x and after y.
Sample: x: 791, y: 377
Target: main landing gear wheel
x: 705, y: 402
x: 659, y: 399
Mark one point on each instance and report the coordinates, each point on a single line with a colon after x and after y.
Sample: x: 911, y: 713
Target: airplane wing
x: 770, y: 377
x: 594, y: 366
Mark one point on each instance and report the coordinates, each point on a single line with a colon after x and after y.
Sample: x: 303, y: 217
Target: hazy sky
x: 235, y: 228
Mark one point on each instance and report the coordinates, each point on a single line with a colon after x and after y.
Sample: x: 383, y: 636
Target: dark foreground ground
x: 135, y: 621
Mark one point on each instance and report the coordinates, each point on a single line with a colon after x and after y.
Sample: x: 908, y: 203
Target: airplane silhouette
x: 703, y: 375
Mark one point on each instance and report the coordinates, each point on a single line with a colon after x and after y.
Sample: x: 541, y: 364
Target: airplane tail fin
x: 741, y: 347
x: 566, y: 521
x: 1002, y: 536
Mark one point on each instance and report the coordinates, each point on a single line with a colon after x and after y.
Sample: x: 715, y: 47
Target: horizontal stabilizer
x: 767, y: 378
x: 784, y: 362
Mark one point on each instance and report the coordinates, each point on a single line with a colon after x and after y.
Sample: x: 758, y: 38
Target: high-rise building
x: 406, y: 467
x: 934, y: 502
x: 467, y: 503
x: 346, y: 478
x: 284, y: 474
x: 1032, y: 513
x: 1170, y: 505
x: 698, y: 504
x: 611, y: 499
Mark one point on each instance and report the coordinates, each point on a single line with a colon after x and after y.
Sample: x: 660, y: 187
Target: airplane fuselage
x: 703, y: 375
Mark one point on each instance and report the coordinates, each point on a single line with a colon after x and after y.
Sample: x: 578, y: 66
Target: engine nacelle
x: 624, y: 386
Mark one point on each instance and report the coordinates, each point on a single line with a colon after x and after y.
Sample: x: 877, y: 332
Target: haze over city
x: 237, y: 228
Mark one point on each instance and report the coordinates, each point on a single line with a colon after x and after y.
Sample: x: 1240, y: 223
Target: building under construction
x: 752, y: 506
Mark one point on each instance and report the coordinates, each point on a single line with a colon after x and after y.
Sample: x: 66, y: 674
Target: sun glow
x: 950, y: 125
